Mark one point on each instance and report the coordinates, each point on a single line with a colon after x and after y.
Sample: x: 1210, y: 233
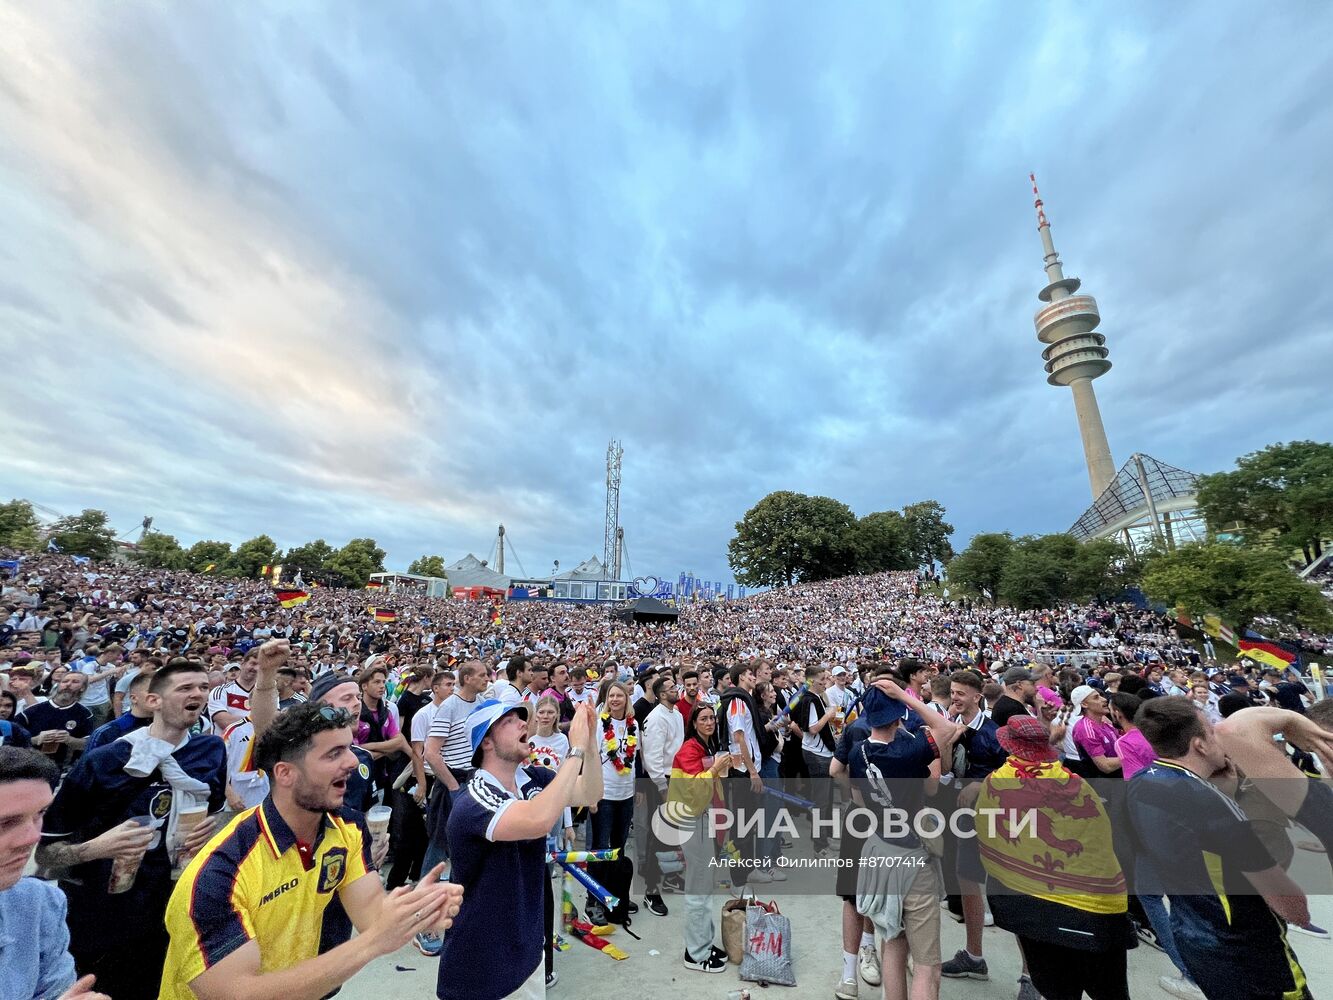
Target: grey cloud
x: 769, y: 249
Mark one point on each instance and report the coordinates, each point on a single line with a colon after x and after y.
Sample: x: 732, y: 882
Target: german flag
x: 1268, y: 653
x: 291, y: 598
x: 374, y: 584
x: 385, y: 615
x: 497, y: 616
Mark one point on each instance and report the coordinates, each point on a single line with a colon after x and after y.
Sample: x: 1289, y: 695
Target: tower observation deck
x: 1075, y: 353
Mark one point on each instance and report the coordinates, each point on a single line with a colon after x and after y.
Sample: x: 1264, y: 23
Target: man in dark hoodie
x: 744, y: 785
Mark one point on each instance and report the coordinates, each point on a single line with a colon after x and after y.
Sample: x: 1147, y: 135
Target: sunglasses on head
x: 338, y: 716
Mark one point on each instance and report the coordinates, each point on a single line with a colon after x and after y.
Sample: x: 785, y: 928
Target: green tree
x: 427, y: 566
x: 18, y: 526
x: 200, y: 555
x: 355, y: 561
x: 308, y: 558
x: 85, y: 534
x: 253, y: 554
x: 1038, y: 572
x: 1103, y: 568
x: 927, y: 532
x: 980, y: 567
x: 788, y: 536
x: 879, y: 543
x: 159, y: 551
x: 1281, y: 496
x: 1235, y: 582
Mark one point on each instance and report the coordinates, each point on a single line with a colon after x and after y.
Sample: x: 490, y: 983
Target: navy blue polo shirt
x: 360, y: 783
x: 495, y: 943
x: 891, y: 776
x: 74, y: 719
x: 851, y: 736
x: 1202, y: 844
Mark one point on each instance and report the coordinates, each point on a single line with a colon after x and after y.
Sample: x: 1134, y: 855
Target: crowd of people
x: 221, y: 789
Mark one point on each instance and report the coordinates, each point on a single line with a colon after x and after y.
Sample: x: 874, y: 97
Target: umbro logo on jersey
x: 268, y: 897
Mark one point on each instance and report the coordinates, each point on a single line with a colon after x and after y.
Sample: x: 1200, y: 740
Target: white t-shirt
x: 812, y: 742
x: 836, y: 697
x: 548, y: 751
x: 616, y: 787
x: 421, y: 726
x: 504, y: 692
x: 251, y: 786
x: 589, y: 694
x: 740, y: 723
x: 229, y: 697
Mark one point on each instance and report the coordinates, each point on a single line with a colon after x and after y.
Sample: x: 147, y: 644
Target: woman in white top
x: 618, y: 741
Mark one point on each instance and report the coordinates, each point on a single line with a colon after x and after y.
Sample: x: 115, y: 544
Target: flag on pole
x: 291, y: 598
x: 1218, y: 629
x: 1268, y: 653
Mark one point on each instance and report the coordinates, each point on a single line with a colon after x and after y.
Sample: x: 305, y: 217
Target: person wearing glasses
x: 251, y: 916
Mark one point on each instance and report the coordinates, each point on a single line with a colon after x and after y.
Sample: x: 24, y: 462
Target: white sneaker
x: 760, y: 876
x: 868, y: 961
x: 846, y: 990
x: 1178, y: 986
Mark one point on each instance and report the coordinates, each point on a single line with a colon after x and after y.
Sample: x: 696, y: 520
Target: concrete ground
x: 653, y: 970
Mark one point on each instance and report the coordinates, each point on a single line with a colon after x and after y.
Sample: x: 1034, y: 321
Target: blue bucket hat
x: 879, y: 710
x: 483, y: 717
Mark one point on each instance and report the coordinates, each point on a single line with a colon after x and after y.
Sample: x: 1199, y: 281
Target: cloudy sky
x: 403, y: 270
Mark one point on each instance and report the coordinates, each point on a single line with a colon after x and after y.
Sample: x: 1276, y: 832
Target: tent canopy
x: 472, y: 572
x: 647, y: 609
x: 589, y: 569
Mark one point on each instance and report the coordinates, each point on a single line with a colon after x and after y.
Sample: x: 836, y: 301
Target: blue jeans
x: 611, y: 822
x: 1155, y: 907
x: 768, y: 847
x: 437, y: 849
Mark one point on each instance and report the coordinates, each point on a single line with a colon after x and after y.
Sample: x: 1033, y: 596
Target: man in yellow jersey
x: 248, y: 918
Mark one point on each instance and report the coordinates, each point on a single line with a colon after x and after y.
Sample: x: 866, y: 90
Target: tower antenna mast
x: 610, y: 541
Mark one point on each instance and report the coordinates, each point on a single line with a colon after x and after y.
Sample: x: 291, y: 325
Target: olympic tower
x: 1075, y: 354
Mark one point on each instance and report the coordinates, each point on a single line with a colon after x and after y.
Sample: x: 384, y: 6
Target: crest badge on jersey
x: 332, y: 868
x: 160, y: 806
x: 364, y: 771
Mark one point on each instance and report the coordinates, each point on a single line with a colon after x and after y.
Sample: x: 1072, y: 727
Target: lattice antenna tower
x: 611, y: 540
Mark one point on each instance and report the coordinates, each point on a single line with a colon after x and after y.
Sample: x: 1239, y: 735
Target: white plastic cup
x: 377, y: 819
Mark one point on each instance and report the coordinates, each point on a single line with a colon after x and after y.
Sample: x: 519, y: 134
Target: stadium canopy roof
x: 1166, y: 509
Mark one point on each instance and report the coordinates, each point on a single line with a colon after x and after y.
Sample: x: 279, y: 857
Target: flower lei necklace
x: 623, y: 763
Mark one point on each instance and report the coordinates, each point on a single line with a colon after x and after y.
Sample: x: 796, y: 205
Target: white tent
x: 589, y: 569
x: 472, y: 572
